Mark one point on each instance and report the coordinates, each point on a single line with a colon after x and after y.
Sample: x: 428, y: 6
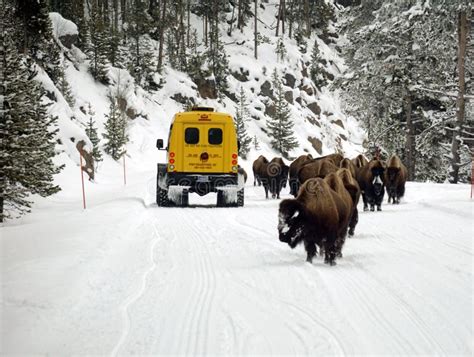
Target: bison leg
x: 330, y: 250
x: 266, y: 190
x: 310, y: 250
x: 353, y: 222
x: 364, y: 199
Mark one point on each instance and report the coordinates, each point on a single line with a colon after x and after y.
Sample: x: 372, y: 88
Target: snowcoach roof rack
x: 201, y: 109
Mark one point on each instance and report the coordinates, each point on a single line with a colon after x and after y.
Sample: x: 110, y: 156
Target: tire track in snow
x: 194, y: 335
x: 134, y: 297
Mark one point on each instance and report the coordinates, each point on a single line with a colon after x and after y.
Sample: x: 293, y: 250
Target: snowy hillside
x: 320, y: 126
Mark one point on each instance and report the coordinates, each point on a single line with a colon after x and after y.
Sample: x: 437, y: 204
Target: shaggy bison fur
x: 272, y: 175
x: 258, y: 167
x: 345, y: 209
x: 316, y: 168
x: 293, y: 173
x: 371, y: 182
x: 395, y: 179
x: 351, y: 185
x: 313, y: 217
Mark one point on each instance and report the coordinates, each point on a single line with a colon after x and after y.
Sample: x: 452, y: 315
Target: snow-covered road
x: 126, y: 277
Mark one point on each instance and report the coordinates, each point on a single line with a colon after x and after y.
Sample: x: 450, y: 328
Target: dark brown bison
x: 348, y: 164
x: 258, y: 167
x: 351, y: 185
x: 274, y: 176
x: 345, y: 210
x: 316, y: 168
x: 293, y: 173
x: 395, y: 178
x: 371, y: 182
x: 314, y: 218
x: 360, y: 161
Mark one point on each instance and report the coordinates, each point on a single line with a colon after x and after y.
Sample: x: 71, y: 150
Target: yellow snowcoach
x: 202, y: 157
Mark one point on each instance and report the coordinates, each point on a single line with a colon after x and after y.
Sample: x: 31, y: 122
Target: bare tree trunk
x: 278, y: 18
x: 115, y: 7
x: 308, y: 21
x: 290, y: 30
x: 123, y: 10
x: 162, y: 31
x: 188, y: 29
x: 283, y: 15
x: 461, y: 103
x: 410, y: 139
x: 239, y: 16
x: 255, y: 30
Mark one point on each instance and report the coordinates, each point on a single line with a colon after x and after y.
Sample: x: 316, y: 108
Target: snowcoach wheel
x: 240, y: 198
x: 162, y: 197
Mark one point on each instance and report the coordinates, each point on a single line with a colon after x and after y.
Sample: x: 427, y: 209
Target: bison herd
x: 327, y: 191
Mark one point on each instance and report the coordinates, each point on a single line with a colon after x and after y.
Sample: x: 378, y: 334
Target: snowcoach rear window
x: 191, y: 135
x: 215, y: 136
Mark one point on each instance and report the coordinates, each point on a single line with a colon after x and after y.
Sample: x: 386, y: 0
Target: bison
x: 351, y: 185
x: 257, y: 167
x: 395, y: 178
x: 335, y: 182
x: 272, y: 175
x: 313, y: 217
x: 348, y: 164
x: 359, y: 161
x: 371, y: 182
x: 316, y: 168
x: 293, y: 172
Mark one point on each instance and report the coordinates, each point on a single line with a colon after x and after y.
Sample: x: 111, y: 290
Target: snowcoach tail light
x: 234, y: 156
x: 234, y: 168
x: 234, y: 162
x: 172, y: 154
x: 171, y: 161
x: 171, y: 167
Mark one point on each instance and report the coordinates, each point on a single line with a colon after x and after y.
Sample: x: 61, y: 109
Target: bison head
x: 291, y: 222
x: 377, y: 180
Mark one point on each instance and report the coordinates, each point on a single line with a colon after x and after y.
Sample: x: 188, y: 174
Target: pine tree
x: 27, y: 139
x: 317, y: 72
x: 280, y: 125
x: 91, y: 132
x: 241, y: 116
x: 280, y: 50
x: 115, y: 131
x: 65, y: 88
x: 97, y: 48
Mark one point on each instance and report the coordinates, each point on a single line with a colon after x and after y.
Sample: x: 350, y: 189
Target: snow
x: 62, y: 26
x: 127, y: 277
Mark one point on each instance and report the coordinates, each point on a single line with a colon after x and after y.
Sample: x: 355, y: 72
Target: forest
x: 407, y: 74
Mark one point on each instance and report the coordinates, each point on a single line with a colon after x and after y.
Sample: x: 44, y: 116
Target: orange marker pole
x: 82, y: 179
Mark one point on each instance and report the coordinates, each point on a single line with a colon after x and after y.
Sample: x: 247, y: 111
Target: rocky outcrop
x: 87, y: 159
x: 317, y: 144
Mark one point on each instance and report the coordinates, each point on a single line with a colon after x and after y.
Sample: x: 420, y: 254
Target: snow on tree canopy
x: 62, y: 26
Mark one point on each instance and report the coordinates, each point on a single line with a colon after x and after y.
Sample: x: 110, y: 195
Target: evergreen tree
x: 115, y: 131
x: 65, y: 88
x: 27, y: 141
x: 97, y: 48
x: 217, y: 59
x: 280, y: 50
x: 280, y: 125
x: 317, y: 71
x: 91, y: 132
x: 241, y: 116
